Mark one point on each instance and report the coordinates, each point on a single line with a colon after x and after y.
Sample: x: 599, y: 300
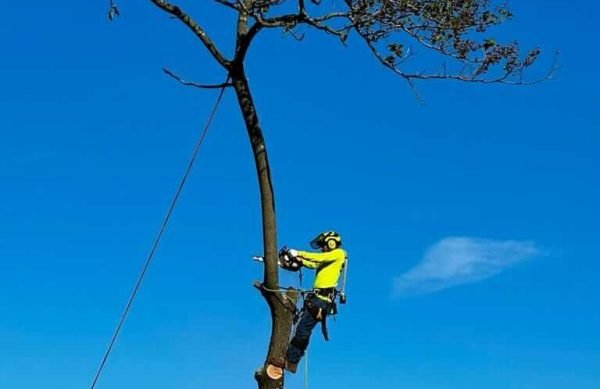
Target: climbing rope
x: 344, y: 278
x: 160, y: 233
x: 306, y: 370
x: 302, y: 297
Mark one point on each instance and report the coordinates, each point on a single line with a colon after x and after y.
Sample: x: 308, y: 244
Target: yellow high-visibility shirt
x: 329, y: 266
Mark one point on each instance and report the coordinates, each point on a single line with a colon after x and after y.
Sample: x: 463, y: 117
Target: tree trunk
x: 281, y: 315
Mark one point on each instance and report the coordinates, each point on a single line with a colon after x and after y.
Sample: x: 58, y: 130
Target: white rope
x: 306, y: 370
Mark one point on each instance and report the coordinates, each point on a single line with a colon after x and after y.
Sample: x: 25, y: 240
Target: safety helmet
x: 329, y: 240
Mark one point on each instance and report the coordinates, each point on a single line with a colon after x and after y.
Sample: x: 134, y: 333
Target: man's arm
x: 309, y: 264
x: 320, y: 258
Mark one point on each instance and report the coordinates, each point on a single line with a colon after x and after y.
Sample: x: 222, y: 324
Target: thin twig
x: 113, y: 10
x: 195, y: 84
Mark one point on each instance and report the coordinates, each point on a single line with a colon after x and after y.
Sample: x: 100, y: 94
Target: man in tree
x: 329, y: 264
x: 457, y: 32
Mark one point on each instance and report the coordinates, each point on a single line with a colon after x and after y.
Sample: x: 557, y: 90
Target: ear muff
x: 331, y: 244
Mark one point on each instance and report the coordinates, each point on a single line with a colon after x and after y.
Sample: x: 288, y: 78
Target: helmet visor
x: 317, y: 242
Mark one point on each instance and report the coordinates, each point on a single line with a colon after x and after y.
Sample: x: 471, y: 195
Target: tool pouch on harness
x: 316, y: 312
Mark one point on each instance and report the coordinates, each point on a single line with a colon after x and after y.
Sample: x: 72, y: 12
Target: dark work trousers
x: 307, y: 323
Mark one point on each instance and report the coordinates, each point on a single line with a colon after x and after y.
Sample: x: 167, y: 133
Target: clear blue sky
x: 94, y: 139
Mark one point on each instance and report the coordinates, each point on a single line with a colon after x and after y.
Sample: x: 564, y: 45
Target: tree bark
x: 279, y: 304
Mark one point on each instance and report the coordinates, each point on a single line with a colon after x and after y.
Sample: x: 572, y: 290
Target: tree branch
x: 291, y: 21
x: 504, y: 78
x: 243, y: 43
x: 228, y: 4
x: 196, y: 29
x: 195, y: 84
x: 448, y: 29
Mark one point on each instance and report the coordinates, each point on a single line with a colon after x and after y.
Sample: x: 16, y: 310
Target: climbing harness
x: 332, y: 296
x: 159, y: 235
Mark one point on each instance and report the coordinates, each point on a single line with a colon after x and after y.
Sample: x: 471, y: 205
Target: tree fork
x: 281, y: 314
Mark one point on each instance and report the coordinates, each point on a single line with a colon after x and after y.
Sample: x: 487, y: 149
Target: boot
x: 291, y: 367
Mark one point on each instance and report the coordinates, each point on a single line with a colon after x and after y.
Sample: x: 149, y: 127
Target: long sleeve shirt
x: 328, y: 265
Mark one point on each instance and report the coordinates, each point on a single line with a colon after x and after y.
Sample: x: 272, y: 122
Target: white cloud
x: 461, y: 260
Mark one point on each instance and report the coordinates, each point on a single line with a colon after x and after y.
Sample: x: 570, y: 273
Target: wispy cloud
x: 461, y: 260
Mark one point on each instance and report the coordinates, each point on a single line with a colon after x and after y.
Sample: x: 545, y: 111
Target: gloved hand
x: 293, y: 253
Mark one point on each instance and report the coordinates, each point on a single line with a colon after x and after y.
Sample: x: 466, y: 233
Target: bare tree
x: 453, y: 30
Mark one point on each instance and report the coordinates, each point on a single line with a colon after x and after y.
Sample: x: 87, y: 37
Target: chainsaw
x: 285, y: 260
